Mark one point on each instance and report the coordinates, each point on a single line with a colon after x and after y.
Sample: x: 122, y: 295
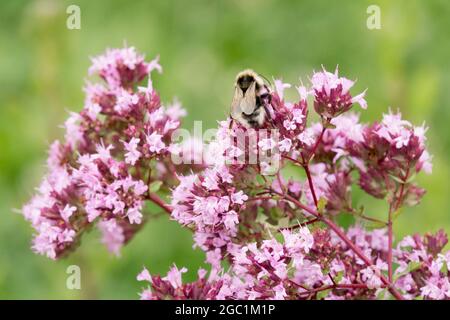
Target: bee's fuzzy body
x: 251, y: 94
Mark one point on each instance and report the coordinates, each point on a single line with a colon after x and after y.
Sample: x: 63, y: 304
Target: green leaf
x: 413, y: 265
x: 322, y: 294
x: 444, y: 268
x: 345, y: 220
x: 396, y: 179
x: 283, y: 222
x: 375, y: 224
x: 339, y: 276
x: 321, y: 204
x: 329, y: 125
x: 382, y: 294
x: 260, y: 180
x: 155, y: 186
x: 411, y: 178
x: 361, y: 210
x: 273, y: 215
x: 261, y: 218
x: 397, y: 213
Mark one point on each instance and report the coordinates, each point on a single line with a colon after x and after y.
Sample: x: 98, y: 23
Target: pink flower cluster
x: 115, y: 149
x: 423, y: 269
x: 314, y: 266
x: 210, y: 203
x: 332, y: 96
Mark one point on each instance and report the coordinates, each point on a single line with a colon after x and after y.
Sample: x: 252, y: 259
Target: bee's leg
x: 269, y: 116
x: 231, y: 123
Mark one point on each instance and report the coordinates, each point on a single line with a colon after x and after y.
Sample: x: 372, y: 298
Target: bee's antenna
x: 264, y: 77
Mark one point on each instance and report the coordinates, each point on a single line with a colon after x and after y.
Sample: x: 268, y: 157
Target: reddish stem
x: 310, y: 182
x: 303, y: 224
x: 259, y: 198
x: 306, y: 166
x: 402, y: 190
x: 314, y: 149
x: 160, y: 202
x: 340, y: 286
x: 362, y: 216
x: 293, y: 160
x: 390, y: 241
x: 331, y: 278
x: 344, y: 238
x: 393, y: 209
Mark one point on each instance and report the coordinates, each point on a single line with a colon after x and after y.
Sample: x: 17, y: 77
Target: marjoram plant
x: 265, y: 236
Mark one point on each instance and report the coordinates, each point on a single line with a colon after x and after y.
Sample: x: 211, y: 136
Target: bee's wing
x: 236, y: 103
x: 248, y: 103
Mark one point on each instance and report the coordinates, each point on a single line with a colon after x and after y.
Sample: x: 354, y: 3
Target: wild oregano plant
x: 265, y: 235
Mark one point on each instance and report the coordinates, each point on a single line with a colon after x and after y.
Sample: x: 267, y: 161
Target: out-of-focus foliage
x: 202, y: 44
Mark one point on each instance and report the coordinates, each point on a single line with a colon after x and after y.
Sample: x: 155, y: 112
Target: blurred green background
x: 202, y: 44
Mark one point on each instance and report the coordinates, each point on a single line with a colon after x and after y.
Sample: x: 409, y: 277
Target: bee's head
x: 245, y: 78
x: 245, y: 81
